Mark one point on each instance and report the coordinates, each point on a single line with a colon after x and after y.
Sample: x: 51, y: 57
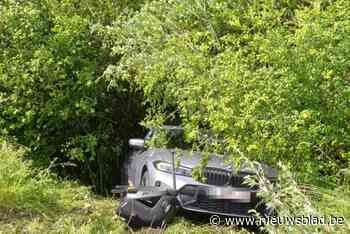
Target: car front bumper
x: 228, y: 201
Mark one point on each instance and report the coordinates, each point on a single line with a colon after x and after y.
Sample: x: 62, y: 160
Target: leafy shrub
x: 50, y: 97
x: 270, y: 77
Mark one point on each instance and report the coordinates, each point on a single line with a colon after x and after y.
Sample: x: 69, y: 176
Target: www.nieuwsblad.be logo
x: 298, y: 220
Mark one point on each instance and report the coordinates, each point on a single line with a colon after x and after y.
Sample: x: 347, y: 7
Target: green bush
x: 51, y: 99
x: 270, y: 77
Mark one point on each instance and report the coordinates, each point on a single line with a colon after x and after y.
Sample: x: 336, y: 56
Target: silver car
x: 223, y: 192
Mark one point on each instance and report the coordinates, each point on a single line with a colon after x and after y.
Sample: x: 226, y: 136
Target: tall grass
x: 34, y: 201
x: 23, y: 189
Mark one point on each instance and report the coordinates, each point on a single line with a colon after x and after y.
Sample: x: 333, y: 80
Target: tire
x: 145, y: 179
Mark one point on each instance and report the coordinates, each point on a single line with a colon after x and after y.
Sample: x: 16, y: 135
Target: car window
x: 167, y: 138
x: 174, y: 137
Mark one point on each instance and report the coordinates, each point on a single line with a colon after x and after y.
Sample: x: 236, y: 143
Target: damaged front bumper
x: 228, y: 201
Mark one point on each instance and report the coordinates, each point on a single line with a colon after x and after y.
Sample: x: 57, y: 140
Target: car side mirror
x: 137, y: 143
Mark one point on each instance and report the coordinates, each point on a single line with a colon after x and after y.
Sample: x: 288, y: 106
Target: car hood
x: 193, y: 159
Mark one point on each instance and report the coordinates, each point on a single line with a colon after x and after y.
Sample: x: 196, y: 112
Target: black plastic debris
x: 146, y: 206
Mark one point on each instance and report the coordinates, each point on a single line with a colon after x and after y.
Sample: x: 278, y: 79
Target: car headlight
x: 168, y: 167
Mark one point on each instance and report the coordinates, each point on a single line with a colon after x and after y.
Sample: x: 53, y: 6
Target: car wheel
x: 145, y: 179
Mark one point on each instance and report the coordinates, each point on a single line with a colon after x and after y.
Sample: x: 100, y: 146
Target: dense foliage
x: 50, y: 97
x: 270, y: 77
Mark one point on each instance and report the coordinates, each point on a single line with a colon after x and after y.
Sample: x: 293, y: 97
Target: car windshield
x: 169, y: 137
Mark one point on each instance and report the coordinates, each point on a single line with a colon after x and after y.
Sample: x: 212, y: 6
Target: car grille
x: 216, y: 176
x: 221, y: 177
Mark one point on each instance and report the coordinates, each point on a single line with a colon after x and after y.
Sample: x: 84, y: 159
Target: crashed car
x: 223, y: 191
